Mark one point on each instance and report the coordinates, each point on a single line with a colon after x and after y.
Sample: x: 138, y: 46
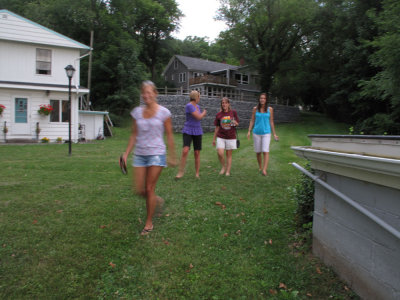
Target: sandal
x: 146, y: 231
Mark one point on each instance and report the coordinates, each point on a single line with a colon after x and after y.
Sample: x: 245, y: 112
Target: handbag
x: 237, y: 139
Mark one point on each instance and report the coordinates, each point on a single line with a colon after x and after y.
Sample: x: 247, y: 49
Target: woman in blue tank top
x: 263, y: 120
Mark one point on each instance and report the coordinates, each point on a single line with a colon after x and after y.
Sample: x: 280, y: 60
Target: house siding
x: 181, y: 68
x: 19, y: 40
x: 18, y: 64
x: 48, y: 129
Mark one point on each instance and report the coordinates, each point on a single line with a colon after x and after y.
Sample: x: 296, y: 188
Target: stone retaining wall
x: 176, y: 104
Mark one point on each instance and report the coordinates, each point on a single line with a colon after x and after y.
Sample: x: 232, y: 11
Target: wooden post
x: 87, y: 106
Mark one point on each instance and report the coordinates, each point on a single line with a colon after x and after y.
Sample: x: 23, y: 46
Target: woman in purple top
x: 192, y: 131
x: 148, y: 126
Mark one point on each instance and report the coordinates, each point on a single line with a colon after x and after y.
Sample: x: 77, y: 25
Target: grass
x: 69, y: 226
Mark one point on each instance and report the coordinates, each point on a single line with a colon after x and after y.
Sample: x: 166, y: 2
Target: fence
x: 240, y: 96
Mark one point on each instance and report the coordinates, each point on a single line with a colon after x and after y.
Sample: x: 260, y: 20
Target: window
x: 242, y: 78
x: 172, y: 77
x: 43, y: 61
x: 238, y: 77
x: 245, y: 79
x: 175, y: 64
x: 60, y: 111
x: 182, y: 77
x: 197, y: 74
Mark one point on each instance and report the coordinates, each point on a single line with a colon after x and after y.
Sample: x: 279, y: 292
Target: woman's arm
x: 235, y: 115
x: 215, y: 135
x: 132, y: 141
x: 199, y: 116
x: 171, y: 157
x: 271, y: 122
x: 253, y: 114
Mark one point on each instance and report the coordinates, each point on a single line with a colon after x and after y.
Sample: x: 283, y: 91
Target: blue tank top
x: 262, y: 125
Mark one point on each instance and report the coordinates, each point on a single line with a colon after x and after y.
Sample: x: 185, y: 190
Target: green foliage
x: 303, y: 195
x: 266, y: 32
x: 128, y: 41
x: 384, y: 85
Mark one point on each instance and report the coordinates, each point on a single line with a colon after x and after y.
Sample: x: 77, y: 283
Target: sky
x: 199, y: 19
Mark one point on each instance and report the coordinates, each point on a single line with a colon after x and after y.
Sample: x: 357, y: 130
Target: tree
x: 385, y: 85
x: 151, y: 23
x: 265, y: 32
x: 117, y: 70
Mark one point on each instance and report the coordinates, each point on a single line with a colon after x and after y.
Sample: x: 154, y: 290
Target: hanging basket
x: 45, y: 109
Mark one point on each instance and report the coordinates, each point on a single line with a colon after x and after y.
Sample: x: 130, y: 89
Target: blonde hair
x: 194, y: 95
x: 149, y: 83
x: 227, y: 100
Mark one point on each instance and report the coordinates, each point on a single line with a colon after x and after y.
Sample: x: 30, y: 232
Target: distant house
x: 212, y: 79
x: 32, y: 74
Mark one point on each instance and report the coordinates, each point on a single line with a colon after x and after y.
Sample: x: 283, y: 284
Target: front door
x: 21, y: 125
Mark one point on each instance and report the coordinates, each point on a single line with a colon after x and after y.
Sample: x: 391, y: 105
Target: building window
x: 197, y: 74
x: 245, y: 79
x: 175, y: 64
x: 60, y: 112
x: 242, y: 78
x: 172, y: 77
x: 182, y: 77
x: 43, y: 61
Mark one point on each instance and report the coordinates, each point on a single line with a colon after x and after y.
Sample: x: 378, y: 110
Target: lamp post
x: 70, y: 70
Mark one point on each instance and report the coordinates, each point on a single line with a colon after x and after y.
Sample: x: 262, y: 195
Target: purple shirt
x: 192, y: 125
x: 150, y: 132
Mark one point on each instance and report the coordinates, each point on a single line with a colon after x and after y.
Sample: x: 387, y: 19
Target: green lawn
x: 69, y: 226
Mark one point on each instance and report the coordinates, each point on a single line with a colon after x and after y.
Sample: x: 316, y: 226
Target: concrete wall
x: 361, y: 252
x: 176, y: 104
x: 362, y: 245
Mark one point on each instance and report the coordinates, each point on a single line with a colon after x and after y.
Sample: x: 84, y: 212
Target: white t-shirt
x: 150, y: 132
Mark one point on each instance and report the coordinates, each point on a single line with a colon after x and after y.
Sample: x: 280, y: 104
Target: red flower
x: 45, y: 109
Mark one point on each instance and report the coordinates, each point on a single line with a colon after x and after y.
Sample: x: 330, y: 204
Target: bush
x: 303, y: 194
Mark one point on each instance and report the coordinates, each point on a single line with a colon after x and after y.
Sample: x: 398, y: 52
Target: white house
x: 32, y: 73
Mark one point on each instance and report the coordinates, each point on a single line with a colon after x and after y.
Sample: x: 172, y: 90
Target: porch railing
x: 213, y: 79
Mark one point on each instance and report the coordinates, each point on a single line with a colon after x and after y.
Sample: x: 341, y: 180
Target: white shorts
x: 261, y: 142
x: 226, y: 144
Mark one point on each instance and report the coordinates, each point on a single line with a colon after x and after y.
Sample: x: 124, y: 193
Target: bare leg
x: 221, y: 158
x: 152, y: 175
x: 197, y: 162
x: 259, y: 161
x: 228, y: 162
x: 265, y: 165
x: 182, y: 164
x: 139, y: 176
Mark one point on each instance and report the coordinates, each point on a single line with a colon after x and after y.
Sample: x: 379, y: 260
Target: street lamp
x: 70, y: 70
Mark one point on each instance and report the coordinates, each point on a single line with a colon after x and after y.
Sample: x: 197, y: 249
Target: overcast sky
x: 199, y: 19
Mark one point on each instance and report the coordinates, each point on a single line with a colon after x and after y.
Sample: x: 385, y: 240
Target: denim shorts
x: 149, y: 160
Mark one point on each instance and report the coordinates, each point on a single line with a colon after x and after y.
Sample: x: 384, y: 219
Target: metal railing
x: 213, y: 80
x: 351, y: 202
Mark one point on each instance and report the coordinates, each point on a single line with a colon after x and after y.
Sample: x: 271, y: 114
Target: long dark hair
x: 266, y: 103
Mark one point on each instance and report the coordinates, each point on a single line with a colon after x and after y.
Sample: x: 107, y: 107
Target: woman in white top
x: 148, y: 126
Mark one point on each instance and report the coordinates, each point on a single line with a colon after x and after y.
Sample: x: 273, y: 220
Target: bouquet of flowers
x: 2, y: 107
x: 45, y: 109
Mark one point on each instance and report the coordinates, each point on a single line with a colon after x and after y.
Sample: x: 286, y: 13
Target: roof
x: 198, y: 64
x: 202, y: 64
x: 16, y: 28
